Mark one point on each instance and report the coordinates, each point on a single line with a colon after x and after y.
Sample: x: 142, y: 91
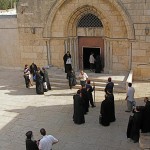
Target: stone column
x: 110, y: 57
x: 107, y: 56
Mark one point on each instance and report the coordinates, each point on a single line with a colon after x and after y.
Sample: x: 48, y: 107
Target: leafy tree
x: 7, y: 4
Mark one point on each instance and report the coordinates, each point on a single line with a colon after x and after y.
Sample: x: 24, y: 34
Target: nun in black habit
x: 110, y: 96
x: 98, y: 64
x: 67, y: 62
x: 78, y: 115
x: 145, y: 127
x: 105, y: 111
x: 134, y: 125
x: 39, y: 82
x: 46, y: 78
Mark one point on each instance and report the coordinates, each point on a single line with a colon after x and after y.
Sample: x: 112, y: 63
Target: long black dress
x: 98, y: 64
x: 31, y: 145
x: 85, y: 100
x: 134, y: 125
x: 46, y: 78
x: 105, y: 112
x: 146, y: 118
x: 78, y: 116
x: 68, y: 67
x: 39, y: 83
x: 112, y: 107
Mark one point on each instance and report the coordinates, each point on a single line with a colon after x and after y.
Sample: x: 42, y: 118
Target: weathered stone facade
x: 48, y: 28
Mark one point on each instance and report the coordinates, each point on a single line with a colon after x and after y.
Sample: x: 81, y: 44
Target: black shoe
x: 93, y: 106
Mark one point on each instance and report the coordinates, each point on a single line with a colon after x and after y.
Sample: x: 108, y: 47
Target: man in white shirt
x: 83, y: 77
x: 47, y: 141
x: 91, y: 60
x: 130, y: 97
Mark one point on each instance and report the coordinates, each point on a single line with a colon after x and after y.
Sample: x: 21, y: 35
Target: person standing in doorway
x: 130, y: 97
x: 91, y: 60
x: 98, y: 64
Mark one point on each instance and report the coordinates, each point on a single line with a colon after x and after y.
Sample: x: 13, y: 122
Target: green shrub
x: 7, y: 4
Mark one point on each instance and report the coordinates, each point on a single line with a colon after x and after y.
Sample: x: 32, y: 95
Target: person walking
x: 130, y: 98
x: 47, y: 141
x: 91, y: 60
x: 72, y: 78
x: 83, y: 77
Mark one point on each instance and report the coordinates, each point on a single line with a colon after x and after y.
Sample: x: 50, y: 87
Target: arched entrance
x: 63, y: 30
x: 89, y: 27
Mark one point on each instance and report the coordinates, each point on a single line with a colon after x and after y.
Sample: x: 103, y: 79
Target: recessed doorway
x: 86, y: 54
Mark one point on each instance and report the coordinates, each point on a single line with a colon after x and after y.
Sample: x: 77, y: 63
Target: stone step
x: 101, y: 79
x: 78, y: 86
x: 58, y: 79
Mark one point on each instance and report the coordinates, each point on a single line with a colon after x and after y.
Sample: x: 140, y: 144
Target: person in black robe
x: 105, y: 112
x: 39, y: 82
x: 72, y: 78
x: 78, y: 115
x: 85, y: 99
x: 46, y: 78
x: 67, y: 62
x: 110, y: 96
x: 30, y: 144
x: 98, y: 64
x: 109, y: 85
x: 33, y: 69
x: 90, y: 89
x: 145, y: 127
x: 134, y: 125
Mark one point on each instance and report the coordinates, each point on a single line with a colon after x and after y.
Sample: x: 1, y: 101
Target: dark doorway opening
x: 86, y: 54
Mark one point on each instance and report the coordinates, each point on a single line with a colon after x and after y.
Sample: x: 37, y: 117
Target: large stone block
x: 139, y: 52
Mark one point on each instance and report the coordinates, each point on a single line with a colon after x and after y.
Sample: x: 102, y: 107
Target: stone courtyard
x: 22, y: 109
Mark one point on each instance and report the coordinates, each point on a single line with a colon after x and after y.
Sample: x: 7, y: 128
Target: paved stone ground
x: 22, y: 110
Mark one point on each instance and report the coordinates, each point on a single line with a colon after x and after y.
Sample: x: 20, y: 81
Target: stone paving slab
x: 22, y: 110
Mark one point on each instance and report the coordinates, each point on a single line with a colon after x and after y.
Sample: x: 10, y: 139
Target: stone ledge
x: 144, y: 141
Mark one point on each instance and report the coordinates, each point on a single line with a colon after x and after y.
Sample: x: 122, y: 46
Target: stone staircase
x: 58, y: 80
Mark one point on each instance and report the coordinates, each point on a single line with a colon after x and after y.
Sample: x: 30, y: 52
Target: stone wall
x: 45, y: 25
x: 9, y: 42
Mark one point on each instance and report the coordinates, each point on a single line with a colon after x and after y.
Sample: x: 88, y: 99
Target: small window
x: 89, y: 20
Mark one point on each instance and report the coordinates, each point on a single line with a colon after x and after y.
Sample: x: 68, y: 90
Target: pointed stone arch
x: 71, y: 25
x: 116, y: 4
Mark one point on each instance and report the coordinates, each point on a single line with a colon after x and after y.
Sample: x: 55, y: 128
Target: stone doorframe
x: 71, y: 44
